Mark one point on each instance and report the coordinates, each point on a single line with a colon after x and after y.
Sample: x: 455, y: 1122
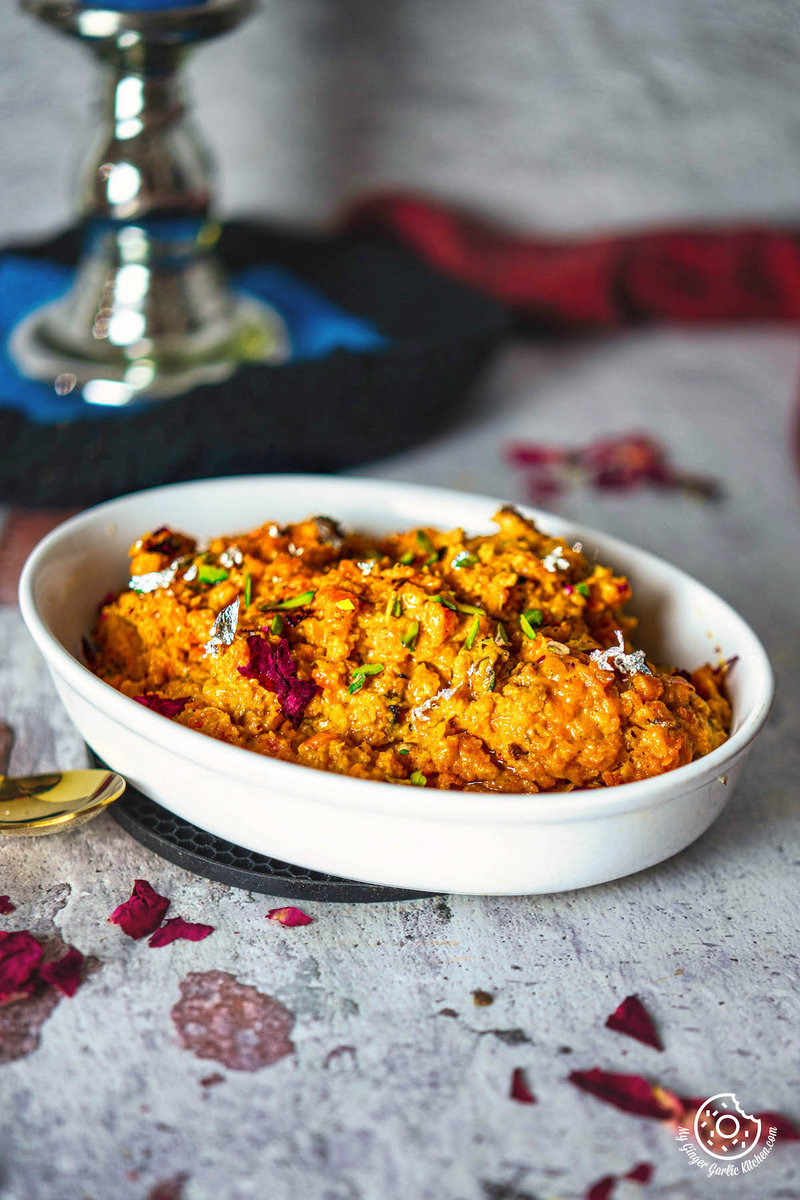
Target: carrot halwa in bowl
x: 631, y: 762
x: 497, y: 663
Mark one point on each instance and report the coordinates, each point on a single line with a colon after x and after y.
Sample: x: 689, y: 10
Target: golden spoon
x: 31, y: 805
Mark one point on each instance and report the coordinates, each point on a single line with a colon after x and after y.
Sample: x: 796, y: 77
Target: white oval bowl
x: 428, y: 840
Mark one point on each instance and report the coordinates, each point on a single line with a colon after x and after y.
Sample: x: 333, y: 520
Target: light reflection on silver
x: 123, y: 184
x: 98, y: 24
x: 153, y: 580
x: 555, y: 560
x: 223, y: 630
x: 140, y: 374
x: 616, y: 658
x: 131, y: 283
x: 108, y: 392
x: 126, y: 327
x: 232, y: 557
x: 129, y: 97
x: 64, y: 384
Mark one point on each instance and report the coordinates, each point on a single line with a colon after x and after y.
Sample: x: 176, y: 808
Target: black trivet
x: 196, y: 850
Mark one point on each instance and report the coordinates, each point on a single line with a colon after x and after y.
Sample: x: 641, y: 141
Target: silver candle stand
x: 150, y: 313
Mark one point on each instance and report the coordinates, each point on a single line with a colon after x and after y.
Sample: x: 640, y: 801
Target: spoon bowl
x: 32, y: 805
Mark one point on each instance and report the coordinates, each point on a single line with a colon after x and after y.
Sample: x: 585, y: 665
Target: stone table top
x: 356, y: 1057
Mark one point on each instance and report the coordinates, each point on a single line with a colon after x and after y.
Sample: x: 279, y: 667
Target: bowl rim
x: 394, y: 799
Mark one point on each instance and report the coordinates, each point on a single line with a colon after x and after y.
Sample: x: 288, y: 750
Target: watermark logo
x: 724, y: 1130
x: 726, y: 1134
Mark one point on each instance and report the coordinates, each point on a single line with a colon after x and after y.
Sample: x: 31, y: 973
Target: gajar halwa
x: 498, y: 663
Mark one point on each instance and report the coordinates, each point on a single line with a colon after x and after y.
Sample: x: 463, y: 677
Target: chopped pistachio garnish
x: 404, y: 750
x: 206, y: 573
x: 418, y: 779
x: 464, y: 559
x: 428, y: 546
x: 473, y: 632
x: 526, y: 623
x: 360, y: 675
x: 407, y: 559
x: 583, y: 588
x: 534, y: 615
x: 294, y: 602
x: 346, y: 605
x: 277, y: 624
x: 454, y: 606
x: 395, y: 606
x: 248, y: 590
x: 500, y: 635
x: 410, y: 636
x: 491, y: 679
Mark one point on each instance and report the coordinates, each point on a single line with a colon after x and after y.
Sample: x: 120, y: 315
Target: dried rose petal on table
x: 143, y: 913
x: 603, y: 1189
x: 630, y: 1093
x: 632, y: 1018
x: 519, y: 1090
x: 620, y: 462
x: 20, y: 955
x: 176, y: 928
x: 289, y: 916
x: 65, y: 972
x: 6, y: 906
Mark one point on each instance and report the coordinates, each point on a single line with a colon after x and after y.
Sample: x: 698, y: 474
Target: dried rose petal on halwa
x: 20, y: 955
x: 6, y: 906
x: 633, y: 1019
x: 519, y: 1090
x: 289, y: 916
x: 630, y: 1093
x: 65, y: 972
x: 162, y: 704
x: 275, y: 669
x: 143, y: 913
x: 176, y: 928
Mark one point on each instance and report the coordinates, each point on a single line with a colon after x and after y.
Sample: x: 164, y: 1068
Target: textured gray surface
x: 382, y: 1096
x: 570, y: 115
